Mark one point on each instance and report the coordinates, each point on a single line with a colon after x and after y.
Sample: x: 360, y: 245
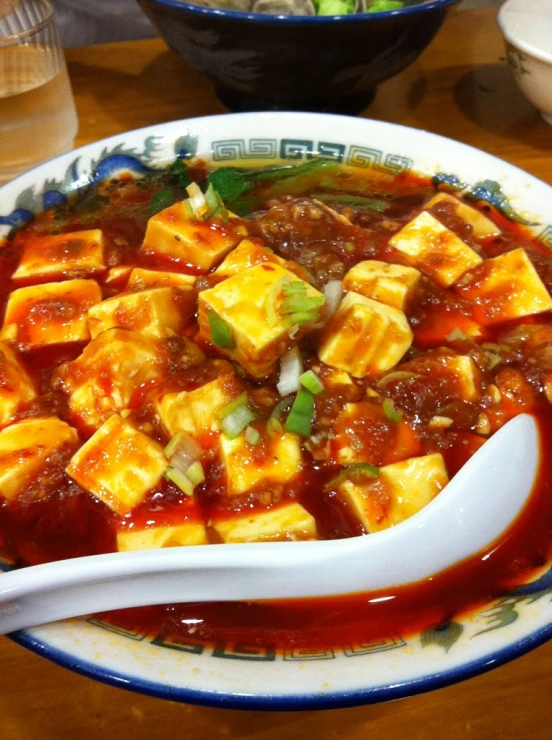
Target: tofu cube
x: 241, y: 302
x: 195, y: 412
x: 172, y: 233
x: 25, y: 448
x: 16, y: 386
x: 74, y: 255
x: 482, y: 227
x: 384, y: 282
x: 271, y: 462
x: 152, y: 538
x: 505, y: 288
x: 288, y: 522
x: 365, y: 337
x: 104, y: 378
x: 53, y: 313
x: 141, y: 279
x: 425, y: 243
x: 119, y: 465
x: 400, y: 490
x: 459, y: 374
x: 158, y: 312
x: 248, y: 253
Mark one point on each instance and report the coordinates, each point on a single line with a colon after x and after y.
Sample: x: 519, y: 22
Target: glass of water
x: 37, y: 112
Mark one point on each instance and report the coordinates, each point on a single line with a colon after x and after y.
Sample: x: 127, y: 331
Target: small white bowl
x: 527, y: 28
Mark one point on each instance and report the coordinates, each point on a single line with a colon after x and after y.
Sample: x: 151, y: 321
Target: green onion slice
x: 252, y: 436
x: 195, y: 473
x: 493, y: 360
x: 273, y: 427
x: 353, y: 472
x: 221, y: 333
x: 214, y: 201
x: 235, y: 416
x: 299, y: 420
x: 312, y: 382
x: 281, y: 407
x: 180, y: 480
x: 223, y: 412
x: 390, y: 411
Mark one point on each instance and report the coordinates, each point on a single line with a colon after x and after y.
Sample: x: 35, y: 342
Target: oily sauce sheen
x: 54, y: 518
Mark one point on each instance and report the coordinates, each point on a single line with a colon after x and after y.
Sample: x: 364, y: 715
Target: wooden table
x: 462, y: 88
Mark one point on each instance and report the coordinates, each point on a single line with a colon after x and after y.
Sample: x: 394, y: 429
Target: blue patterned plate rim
x: 331, y: 700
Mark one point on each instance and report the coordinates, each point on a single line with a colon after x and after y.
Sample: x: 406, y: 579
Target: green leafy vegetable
x: 221, y: 333
x: 161, y: 199
x: 353, y: 472
x: 334, y: 7
x: 381, y: 6
x: 297, y: 304
x: 179, y: 168
x: 286, y: 171
x: 300, y: 417
x: 230, y: 182
x: 355, y: 201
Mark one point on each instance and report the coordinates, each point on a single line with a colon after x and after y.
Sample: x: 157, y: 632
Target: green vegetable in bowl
x: 380, y: 6
x: 334, y: 7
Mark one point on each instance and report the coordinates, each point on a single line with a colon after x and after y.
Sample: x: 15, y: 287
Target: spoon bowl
x: 471, y: 512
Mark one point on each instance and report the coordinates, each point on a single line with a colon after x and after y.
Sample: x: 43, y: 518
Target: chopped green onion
x: 188, y: 208
x: 393, y: 377
x: 252, y: 436
x: 491, y: 346
x: 173, y: 444
x: 180, y: 480
x: 223, y: 412
x: 457, y: 335
x: 353, y: 472
x: 273, y: 426
x: 236, y: 421
x: 195, y: 473
x: 300, y: 417
x: 390, y: 411
x: 215, y: 203
x: 312, y: 382
x: 281, y: 407
x: 199, y: 205
x: 493, y: 360
x: 221, y: 333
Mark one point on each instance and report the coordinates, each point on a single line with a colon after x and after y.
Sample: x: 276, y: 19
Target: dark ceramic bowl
x: 320, y: 63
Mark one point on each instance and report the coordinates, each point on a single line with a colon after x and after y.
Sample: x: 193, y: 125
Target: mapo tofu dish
x: 247, y: 355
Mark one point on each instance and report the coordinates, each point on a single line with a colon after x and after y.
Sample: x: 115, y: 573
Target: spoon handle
x: 474, y: 509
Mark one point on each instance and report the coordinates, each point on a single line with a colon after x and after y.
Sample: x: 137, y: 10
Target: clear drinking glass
x: 37, y: 112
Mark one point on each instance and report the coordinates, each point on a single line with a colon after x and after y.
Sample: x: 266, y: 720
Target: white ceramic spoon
x: 474, y: 509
